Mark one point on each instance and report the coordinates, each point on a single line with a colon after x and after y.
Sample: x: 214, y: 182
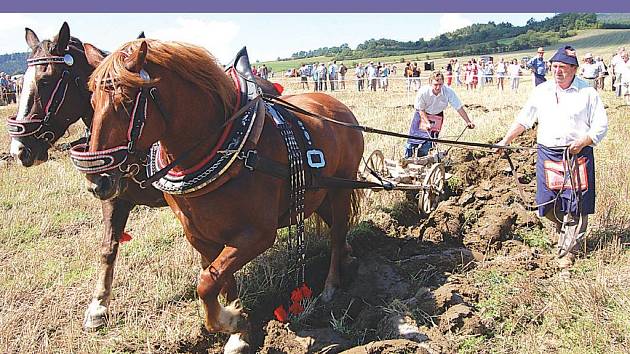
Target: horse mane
x: 191, y: 63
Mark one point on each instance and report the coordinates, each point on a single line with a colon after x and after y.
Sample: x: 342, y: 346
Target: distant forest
x: 13, y: 63
x: 478, y: 38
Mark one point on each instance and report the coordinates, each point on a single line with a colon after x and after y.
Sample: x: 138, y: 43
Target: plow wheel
x: 375, y: 162
x: 433, y: 189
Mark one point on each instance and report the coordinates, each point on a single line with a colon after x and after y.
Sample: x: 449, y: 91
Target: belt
x: 590, y: 78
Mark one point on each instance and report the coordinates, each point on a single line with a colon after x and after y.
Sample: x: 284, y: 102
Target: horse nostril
x: 24, y: 154
x: 99, y: 186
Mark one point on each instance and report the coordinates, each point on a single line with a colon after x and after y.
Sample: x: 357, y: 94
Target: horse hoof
x: 236, y: 345
x: 95, y: 317
x: 233, y: 319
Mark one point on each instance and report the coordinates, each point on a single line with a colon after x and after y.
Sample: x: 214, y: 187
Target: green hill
x: 13, y: 63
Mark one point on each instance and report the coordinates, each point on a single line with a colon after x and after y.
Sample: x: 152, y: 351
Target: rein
x: 387, y: 186
x: 41, y: 128
x: 367, y: 129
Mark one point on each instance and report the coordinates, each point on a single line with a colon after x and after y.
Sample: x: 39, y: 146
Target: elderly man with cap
x: 538, y: 66
x: 571, y: 121
x: 590, y: 70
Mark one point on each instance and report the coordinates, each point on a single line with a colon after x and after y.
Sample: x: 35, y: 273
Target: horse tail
x: 355, y: 207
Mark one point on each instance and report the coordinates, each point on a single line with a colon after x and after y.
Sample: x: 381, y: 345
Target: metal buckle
x: 315, y: 158
x: 251, y: 159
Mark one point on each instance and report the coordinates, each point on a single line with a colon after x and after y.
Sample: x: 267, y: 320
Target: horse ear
x: 141, y: 35
x: 31, y: 39
x: 93, y: 55
x: 138, y: 58
x: 63, y: 38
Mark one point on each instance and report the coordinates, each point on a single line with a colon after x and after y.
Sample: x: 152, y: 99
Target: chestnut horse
x: 234, y: 218
x: 31, y: 138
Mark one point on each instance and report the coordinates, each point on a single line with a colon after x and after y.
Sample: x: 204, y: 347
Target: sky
x: 267, y: 36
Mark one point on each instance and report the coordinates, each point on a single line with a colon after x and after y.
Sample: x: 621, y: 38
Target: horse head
x: 129, y: 118
x: 54, y: 95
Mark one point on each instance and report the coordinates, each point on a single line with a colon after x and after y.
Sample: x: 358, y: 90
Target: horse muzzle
x: 105, y: 186
x: 28, y: 156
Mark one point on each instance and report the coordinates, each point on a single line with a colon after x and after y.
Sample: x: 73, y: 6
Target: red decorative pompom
x: 281, y: 314
x: 296, y: 308
x: 125, y: 237
x: 296, y: 295
x: 278, y: 87
x: 306, y: 291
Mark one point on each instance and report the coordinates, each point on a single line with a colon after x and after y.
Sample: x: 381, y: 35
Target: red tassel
x: 278, y: 87
x: 296, y: 308
x: 281, y: 314
x: 125, y: 237
x: 306, y: 291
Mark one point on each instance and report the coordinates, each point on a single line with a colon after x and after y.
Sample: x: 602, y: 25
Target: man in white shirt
x: 431, y: 101
x: 571, y: 117
x: 590, y: 70
x: 616, y: 59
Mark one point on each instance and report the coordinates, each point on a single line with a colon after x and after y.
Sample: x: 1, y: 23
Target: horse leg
x: 335, y: 211
x: 115, y: 215
x: 230, y: 319
x: 228, y: 290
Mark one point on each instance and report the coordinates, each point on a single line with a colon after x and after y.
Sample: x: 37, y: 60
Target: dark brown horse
x: 53, y: 76
x: 235, y: 217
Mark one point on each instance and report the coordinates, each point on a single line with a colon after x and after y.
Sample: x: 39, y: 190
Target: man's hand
x: 503, y: 142
x: 580, y: 144
x: 470, y: 125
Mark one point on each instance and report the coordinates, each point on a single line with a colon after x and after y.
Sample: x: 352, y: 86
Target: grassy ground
x: 50, y: 232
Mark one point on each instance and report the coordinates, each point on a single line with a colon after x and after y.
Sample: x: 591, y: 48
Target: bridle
x: 42, y: 129
x: 96, y: 162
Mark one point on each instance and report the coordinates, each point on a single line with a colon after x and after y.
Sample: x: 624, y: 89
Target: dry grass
x: 50, y: 233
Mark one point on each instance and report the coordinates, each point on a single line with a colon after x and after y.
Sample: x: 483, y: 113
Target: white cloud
x: 451, y: 22
x: 216, y: 36
x: 13, y: 21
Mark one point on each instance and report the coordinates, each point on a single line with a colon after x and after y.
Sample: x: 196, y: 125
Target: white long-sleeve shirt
x: 432, y: 104
x: 565, y: 116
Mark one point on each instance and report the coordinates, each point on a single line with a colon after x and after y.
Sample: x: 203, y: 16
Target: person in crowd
x: 359, y: 73
x: 431, y: 101
x: 315, y: 73
x: 458, y: 72
x: 385, y: 72
x: 332, y: 75
x: 342, y: 75
x: 408, y: 74
x: 538, y: 66
x: 613, y: 67
x: 622, y: 68
x: 371, y: 76
x: 514, y: 72
x: 415, y: 73
x: 590, y: 70
x: 603, y: 72
x: 449, y: 73
x: 305, y: 72
x: 501, y: 71
x: 571, y: 121
x: 322, y: 73
x: 263, y: 72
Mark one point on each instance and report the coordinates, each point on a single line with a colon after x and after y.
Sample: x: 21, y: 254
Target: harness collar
x: 239, y: 130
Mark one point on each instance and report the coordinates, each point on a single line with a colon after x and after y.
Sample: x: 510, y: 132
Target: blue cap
x: 565, y: 55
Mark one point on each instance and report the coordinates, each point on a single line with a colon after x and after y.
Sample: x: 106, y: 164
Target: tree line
x: 485, y: 38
